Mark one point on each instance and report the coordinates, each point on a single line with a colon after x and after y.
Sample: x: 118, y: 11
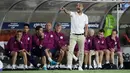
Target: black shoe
x: 37, y: 68
x: 85, y: 68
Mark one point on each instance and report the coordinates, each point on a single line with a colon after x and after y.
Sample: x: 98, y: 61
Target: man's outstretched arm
x: 65, y: 10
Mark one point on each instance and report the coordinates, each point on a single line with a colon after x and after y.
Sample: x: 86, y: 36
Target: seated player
x: 15, y: 46
x: 113, y: 45
x: 27, y: 39
x: 100, y: 46
x: 60, y: 43
x: 90, y: 49
x: 38, y: 46
x: 49, y: 42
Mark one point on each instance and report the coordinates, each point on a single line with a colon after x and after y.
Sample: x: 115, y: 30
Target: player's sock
x: 50, y: 60
x: 86, y: 66
x: 107, y: 62
x: 45, y: 67
x: 100, y: 65
x: 25, y: 66
x: 94, y: 64
x: 13, y: 66
x: 121, y: 66
x: 90, y: 67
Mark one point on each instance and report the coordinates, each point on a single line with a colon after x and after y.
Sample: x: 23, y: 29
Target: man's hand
x: 113, y: 38
x: 20, y: 50
x: 28, y: 53
x: 64, y: 48
x: 62, y: 9
x: 85, y: 34
x: 112, y: 50
x: 23, y: 50
x: 42, y: 35
x: 65, y: 10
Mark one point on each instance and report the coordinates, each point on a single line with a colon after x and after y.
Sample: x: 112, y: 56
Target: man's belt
x: 78, y: 34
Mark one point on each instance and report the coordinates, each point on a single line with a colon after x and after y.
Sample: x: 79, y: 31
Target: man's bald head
x: 79, y: 7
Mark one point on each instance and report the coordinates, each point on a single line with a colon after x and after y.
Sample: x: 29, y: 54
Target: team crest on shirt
x: 28, y: 38
x: 61, y: 37
x: 98, y: 41
x: 89, y: 40
x: 115, y: 43
x: 102, y: 42
x: 51, y: 36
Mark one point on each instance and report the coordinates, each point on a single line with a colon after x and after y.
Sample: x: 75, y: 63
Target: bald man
x: 79, y: 28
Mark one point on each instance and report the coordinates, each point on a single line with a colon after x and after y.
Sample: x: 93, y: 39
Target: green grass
x: 67, y: 71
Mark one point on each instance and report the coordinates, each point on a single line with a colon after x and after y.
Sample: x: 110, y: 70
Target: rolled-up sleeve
x: 86, y: 19
x: 71, y: 13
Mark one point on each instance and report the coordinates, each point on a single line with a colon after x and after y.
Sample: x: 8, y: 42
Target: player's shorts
x: 92, y: 52
x: 53, y: 51
x: 38, y: 52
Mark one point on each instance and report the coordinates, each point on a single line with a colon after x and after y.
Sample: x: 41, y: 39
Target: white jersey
x: 78, y: 22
